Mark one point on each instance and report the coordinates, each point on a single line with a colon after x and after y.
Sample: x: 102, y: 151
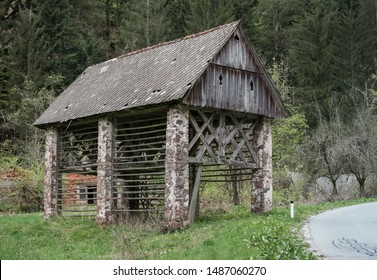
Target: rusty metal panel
x: 153, y: 75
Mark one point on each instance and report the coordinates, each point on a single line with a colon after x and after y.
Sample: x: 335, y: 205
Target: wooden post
x: 177, y: 168
x: 104, y: 171
x: 261, y: 199
x: 51, y: 173
x: 235, y: 183
x: 195, y: 195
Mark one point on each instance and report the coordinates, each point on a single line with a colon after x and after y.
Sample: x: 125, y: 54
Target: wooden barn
x: 140, y: 132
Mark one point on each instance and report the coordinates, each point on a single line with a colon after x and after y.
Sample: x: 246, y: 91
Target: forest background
x: 322, y: 55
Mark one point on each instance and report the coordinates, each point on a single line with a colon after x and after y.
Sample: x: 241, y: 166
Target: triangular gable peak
x: 236, y: 80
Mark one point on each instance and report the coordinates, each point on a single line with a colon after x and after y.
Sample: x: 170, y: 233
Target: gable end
x: 236, y: 80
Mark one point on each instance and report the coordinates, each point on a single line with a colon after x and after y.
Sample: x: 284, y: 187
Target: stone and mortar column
x: 105, y: 171
x: 177, y: 168
x: 261, y: 196
x: 51, y: 173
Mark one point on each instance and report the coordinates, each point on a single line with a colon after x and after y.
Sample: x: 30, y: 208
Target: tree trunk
x: 362, y: 187
x: 335, y: 192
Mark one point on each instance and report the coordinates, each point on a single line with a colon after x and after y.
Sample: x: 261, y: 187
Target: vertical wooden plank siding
x: 238, y: 65
x: 104, y: 171
x: 261, y: 196
x: 177, y: 168
x: 236, y: 54
x: 51, y: 171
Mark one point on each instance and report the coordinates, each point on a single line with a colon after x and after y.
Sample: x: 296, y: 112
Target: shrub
x: 277, y: 241
x: 24, y: 190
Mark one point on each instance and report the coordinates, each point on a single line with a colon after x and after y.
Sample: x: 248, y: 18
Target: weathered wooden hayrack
x: 139, y: 133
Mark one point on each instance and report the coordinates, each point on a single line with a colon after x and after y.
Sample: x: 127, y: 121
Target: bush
x: 277, y: 241
x: 24, y: 189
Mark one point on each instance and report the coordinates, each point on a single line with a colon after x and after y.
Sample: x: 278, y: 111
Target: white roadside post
x: 292, y: 209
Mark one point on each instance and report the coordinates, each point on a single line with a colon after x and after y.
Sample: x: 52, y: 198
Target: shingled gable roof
x: 154, y: 75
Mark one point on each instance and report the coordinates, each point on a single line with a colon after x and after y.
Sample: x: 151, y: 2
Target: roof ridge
x: 190, y: 36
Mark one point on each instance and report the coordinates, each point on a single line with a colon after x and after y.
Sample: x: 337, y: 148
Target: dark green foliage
x: 206, y: 14
x: 177, y: 15
x: 28, y: 49
x: 313, y: 56
x: 144, y: 23
x: 273, y: 21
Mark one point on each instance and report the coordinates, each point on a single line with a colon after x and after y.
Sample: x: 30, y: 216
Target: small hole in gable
x: 221, y: 79
x: 251, y: 86
x: 236, y: 37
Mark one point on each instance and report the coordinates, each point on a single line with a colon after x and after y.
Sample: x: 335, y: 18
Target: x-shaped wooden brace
x: 244, y: 141
x: 223, y: 137
x: 199, y: 134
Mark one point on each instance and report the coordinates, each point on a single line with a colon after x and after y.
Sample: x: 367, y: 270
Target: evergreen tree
x: 242, y: 11
x: 59, y: 34
x: 177, y: 16
x: 89, y: 45
x: 357, y: 42
x: 367, y: 34
x: 314, y: 60
x: 27, y: 51
x: 145, y: 23
x: 272, y: 26
x: 206, y: 14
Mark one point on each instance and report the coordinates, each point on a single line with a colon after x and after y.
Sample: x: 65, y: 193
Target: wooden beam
x: 195, y: 195
x: 200, y: 131
x: 245, y: 136
x: 204, y: 140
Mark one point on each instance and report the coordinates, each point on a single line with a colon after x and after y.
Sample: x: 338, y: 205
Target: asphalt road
x: 348, y: 233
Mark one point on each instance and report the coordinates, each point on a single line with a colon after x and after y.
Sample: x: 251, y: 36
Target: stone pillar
x: 51, y: 173
x: 261, y: 196
x: 177, y: 168
x: 104, y: 171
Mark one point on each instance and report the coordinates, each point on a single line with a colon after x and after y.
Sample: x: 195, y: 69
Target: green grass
x: 236, y: 234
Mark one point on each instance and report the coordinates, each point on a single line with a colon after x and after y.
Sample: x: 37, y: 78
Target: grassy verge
x: 236, y: 234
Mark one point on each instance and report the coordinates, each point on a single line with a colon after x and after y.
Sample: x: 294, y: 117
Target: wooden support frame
x: 215, y: 140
